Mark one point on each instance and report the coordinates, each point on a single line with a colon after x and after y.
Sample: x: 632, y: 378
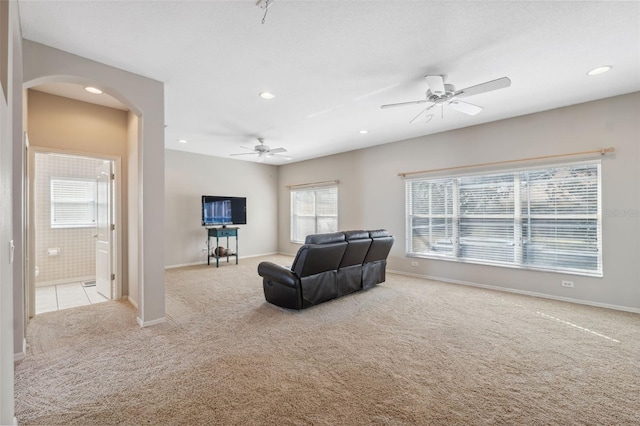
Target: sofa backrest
x: 358, y: 243
x: 381, y: 243
x: 331, y: 237
x: 320, y: 253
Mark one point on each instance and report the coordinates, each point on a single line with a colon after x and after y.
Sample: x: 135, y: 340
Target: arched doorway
x: 143, y: 192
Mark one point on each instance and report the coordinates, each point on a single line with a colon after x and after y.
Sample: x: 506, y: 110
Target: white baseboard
x: 19, y: 356
x: 287, y: 254
x: 130, y: 300
x: 182, y: 265
x: 65, y: 281
x: 150, y: 323
x: 516, y: 291
x: 258, y: 255
x: 204, y: 262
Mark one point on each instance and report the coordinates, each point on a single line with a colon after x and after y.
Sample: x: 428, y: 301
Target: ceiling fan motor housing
x: 450, y: 91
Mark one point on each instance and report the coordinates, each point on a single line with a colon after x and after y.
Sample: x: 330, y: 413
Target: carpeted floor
x: 407, y: 352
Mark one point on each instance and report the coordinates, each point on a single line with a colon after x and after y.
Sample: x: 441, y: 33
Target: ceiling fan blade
x: 277, y: 150
x: 436, y: 84
x: 499, y: 83
x: 422, y: 112
x: 427, y: 118
x: 465, y: 107
x: 403, y: 104
x: 266, y: 155
x: 243, y: 153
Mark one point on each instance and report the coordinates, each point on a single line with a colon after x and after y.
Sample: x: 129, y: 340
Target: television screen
x: 218, y: 210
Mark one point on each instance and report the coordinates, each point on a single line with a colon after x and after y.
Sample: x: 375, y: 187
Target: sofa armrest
x: 278, y: 274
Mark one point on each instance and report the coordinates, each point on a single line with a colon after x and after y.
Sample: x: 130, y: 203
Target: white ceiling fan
x: 441, y: 94
x: 263, y: 151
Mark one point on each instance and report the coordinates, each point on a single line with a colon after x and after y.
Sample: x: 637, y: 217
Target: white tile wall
x: 76, y: 258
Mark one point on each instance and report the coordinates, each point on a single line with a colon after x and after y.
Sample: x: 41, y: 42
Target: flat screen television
x: 223, y: 211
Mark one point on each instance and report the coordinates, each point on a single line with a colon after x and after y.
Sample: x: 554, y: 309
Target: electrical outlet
x: 414, y: 264
x: 567, y: 284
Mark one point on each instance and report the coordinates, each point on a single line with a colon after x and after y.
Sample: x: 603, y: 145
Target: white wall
x: 352, y: 208
x: 189, y: 176
x: 19, y: 170
x: 145, y: 98
x: 11, y: 333
x: 371, y: 194
x: 131, y: 251
x: 66, y: 125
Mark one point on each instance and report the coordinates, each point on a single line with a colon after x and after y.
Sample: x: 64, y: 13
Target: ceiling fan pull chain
x: 267, y: 3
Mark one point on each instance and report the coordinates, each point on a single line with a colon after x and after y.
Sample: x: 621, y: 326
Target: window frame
x: 520, y: 216
x: 293, y: 231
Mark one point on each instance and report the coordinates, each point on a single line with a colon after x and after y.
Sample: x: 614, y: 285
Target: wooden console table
x: 218, y: 233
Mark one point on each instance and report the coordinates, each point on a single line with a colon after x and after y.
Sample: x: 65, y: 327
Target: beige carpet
x: 407, y: 352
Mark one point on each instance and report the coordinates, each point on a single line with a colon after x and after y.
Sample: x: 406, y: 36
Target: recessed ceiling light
x: 363, y: 132
x: 182, y: 140
x: 600, y: 70
x: 93, y: 90
x: 267, y: 95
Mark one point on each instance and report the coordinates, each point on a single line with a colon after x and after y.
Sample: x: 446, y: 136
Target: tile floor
x: 65, y: 296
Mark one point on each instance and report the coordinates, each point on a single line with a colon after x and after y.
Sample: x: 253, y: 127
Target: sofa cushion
x: 379, y: 233
x: 315, y: 258
x: 375, y: 263
x: 333, y: 237
x: 356, y: 235
x: 358, y: 243
x: 381, y: 243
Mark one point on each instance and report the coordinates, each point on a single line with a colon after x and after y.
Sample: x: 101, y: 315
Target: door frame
x: 117, y: 246
x: 104, y: 233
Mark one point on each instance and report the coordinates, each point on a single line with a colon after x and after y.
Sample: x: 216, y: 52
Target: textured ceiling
x: 331, y: 64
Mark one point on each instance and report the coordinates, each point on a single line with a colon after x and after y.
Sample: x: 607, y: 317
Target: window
x: 73, y: 203
x: 313, y: 211
x: 547, y: 219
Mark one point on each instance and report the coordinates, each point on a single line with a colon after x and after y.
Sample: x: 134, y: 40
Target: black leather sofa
x: 328, y: 266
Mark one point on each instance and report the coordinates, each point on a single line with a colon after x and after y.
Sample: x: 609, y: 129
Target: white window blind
x: 73, y: 203
x: 545, y: 218
x: 313, y: 211
x: 561, y: 217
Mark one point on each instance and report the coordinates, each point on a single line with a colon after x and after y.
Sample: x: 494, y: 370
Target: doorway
x: 72, y: 205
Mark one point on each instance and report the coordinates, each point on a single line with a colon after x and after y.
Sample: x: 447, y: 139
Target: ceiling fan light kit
x: 441, y: 94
